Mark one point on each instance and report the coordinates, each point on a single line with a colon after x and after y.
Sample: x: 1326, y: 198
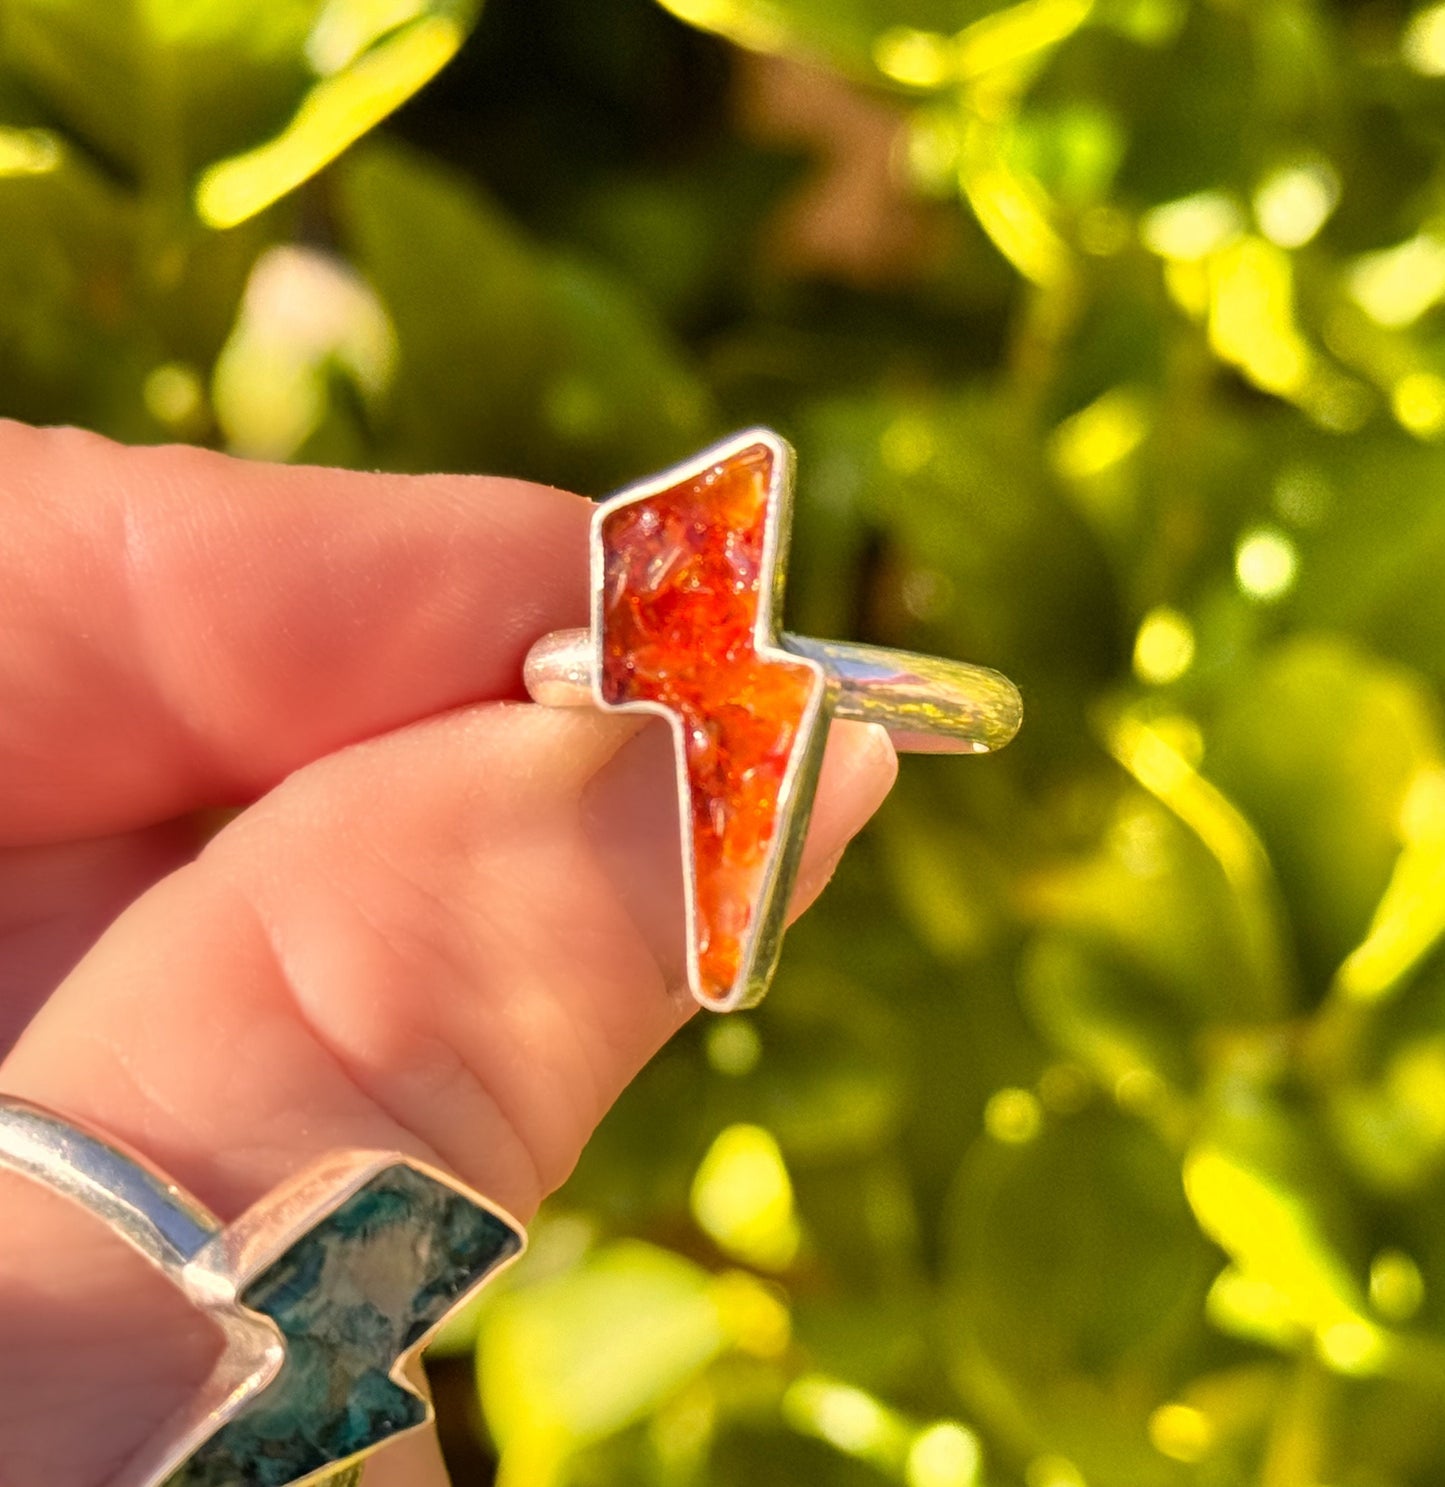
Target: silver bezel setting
x: 761, y: 941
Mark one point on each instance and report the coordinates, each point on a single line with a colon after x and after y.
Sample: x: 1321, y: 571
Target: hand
x: 445, y: 923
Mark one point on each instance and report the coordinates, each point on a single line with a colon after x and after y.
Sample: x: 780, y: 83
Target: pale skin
x: 446, y: 922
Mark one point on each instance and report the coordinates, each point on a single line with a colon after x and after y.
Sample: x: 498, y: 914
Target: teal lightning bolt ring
x: 325, y: 1292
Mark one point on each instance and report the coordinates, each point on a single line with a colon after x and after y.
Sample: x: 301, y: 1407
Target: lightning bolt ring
x: 688, y: 569
x: 324, y: 1292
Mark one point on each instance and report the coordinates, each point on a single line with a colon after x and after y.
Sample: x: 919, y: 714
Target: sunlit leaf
x: 1255, y: 1184
x: 580, y: 1356
x: 1161, y: 764
x: 336, y: 112
x: 1202, y: 932
x: 160, y: 89
x: 1321, y: 745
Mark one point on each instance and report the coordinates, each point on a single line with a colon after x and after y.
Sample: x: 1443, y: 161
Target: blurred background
x: 1093, y: 1134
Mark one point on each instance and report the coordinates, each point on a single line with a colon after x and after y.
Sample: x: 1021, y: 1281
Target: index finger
x: 181, y: 629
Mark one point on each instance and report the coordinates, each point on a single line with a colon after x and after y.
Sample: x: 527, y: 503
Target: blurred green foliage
x: 1094, y: 1132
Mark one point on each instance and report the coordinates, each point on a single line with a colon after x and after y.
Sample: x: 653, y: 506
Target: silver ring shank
x: 140, y: 1205
x: 928, y: 705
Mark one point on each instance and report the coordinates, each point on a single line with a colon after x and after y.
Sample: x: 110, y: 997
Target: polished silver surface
x: 929, y: 705
x: 558, y: 671
x: 119, y: 1187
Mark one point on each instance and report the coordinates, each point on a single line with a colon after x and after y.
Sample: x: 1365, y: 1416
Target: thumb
x: 458, y: 941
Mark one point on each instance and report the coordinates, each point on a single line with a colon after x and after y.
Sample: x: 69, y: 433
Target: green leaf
x: 1259, y: 1182
x: 830, y: 1083
x: 159, y: 89
x: 94, y: 328
x: 64, y: 279
x: 282, y: 380
x: 1074, y: 1280
x: 332, y: 116
x: 960, y: 496
x: 1103, y: 1012
x: 1373, y: 544
x: 511, y: 358
x: 1153, y: 894
x: 584, y: 1354
x: 1320, y: 744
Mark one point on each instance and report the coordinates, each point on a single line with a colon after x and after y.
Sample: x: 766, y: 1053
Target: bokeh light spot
x: 1423, y: 44
x: 943, y: 1455
x: 1053, y: 1471
x: 1100, y: 436
x: 1397, y: 1289
x: 1013, y: 1116
x: 28, y: 152
x: 1265, y: 564
x: 1247, y: 1306
x: 1293, y: 203
x: 733, y: 1046
x: 917, y: 59
x: 1418, y: 402
x: 174, y: 395
x: 847, y: 1418
x: 742, y: 1197
x: 1192, y: 227
x: 1164, y: 647
x: 1181, y: 1432
x: 1395, y: 286
x: 1352, y: 1347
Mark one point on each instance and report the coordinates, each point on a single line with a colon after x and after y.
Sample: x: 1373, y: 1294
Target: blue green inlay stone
x: 350, y: 1297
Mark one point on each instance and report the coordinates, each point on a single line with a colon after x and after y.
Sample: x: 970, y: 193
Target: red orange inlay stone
x: 683, y: 583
